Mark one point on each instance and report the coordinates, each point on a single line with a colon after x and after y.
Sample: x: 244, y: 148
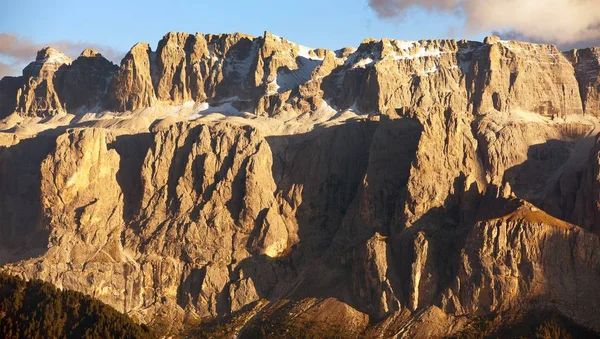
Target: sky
x: 112, y: 27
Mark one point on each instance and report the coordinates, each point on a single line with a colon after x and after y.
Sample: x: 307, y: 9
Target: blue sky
x: 120, y: 24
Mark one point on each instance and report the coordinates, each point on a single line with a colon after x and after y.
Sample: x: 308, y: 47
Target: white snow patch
x: 362, y: 63
x: 354, y: 109
x: 304, y: 52
x: 57, y: 58
x: 226, y: 109
x: 287, y: 80
x: 273, y: 87
x: 421, y: 53
x: 322, y: 114
x: 231, y: 99
x: 432, y: 69
x: 404, y: 44
x: 165, y: 114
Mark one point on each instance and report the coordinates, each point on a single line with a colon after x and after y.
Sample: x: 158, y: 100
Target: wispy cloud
x: 567, y: 23
x: 16, y: 52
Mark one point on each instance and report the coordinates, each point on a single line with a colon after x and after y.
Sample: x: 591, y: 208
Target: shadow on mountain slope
x: 23, y: 234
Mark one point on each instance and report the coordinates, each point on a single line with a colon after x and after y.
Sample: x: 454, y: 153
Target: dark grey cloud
x: 567, y: 23
x: 16, y: 52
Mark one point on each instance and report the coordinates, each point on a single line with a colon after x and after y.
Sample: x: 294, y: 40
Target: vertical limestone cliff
x: 131, y: 87
x: 514, y: 75
x: 587, y: 70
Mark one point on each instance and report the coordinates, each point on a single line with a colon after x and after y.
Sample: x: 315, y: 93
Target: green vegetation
x: 535, y: 325
x: 552, y: 329
x: 270, y: 324
x: 278, y: 328
x: 285, y: 322
x: 224, y: 327
x: 478, y: 328
x: 37, y: 309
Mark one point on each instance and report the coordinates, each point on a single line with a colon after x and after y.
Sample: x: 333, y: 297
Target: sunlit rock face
x: 131, y: 87
x: 400, y: 188
x: 270, y: 75
x: 39, y: 94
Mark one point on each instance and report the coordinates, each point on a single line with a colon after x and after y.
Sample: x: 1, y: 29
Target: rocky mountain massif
x: 402, y: 189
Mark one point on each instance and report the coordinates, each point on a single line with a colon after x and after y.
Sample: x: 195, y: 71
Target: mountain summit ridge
x: 267, y: 75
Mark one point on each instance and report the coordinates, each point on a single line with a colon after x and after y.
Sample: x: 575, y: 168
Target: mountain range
x: 397, y: 189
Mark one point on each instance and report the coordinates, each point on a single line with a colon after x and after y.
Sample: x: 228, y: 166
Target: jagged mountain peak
x: 52, y: 55
x: 270, y: 75
x: 90, y: 53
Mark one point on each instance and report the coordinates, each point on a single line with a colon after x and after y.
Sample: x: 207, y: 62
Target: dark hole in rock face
x: 497, y: 101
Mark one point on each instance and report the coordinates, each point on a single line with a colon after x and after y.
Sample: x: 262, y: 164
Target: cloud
x: 392, y: 8
x: 16, y: 52
x: 567, y: 23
